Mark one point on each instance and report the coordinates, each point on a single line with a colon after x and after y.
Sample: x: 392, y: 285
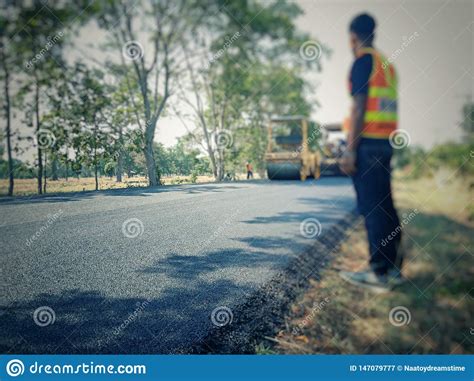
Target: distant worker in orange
x: 373, y: 120
x: 249, y: 170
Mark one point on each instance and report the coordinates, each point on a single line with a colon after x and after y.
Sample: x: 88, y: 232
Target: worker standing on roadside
x: 373, y: 87
x: 249, y: 170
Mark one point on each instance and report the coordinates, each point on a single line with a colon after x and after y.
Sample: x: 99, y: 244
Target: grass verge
x: 431, y: 313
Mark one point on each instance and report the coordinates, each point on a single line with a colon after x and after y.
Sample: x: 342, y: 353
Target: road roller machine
x: 333, y: 145
x: 290, y: 154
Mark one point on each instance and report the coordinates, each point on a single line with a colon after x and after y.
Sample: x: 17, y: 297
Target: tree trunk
x: 38, y: 126
x: 219, y: 176
x: 213, y: 163
x: 54, y: 169
x: 119, y: 169
x: 45, y: 166
x: 95, y: 157
x: 210, y: 152
x: 149, y: 154
x: 8, y: 132
x: 150, y: 162
x: 96, y: 177
x: 220, y: 165
x: 67, y: 165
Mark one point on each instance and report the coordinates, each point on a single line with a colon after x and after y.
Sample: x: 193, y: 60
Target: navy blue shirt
x: 360, y: 74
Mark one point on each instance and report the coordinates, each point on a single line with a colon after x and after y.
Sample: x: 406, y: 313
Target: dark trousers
x: 372, y: 183
x: 249, y: 175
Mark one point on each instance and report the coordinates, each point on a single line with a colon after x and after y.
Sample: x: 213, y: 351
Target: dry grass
x: 25, y: 187
x: 438, y: 295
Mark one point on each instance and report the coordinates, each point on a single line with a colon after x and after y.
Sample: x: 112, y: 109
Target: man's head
x: 361, y: 31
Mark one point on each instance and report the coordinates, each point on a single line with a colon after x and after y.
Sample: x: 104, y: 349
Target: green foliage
x: 109, y: 168
x: 458, y: 157
x: 416, y: 162
x: 178, y: 160
x: 21, y: 170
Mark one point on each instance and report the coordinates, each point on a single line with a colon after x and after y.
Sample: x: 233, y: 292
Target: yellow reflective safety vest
x: 381, y: 109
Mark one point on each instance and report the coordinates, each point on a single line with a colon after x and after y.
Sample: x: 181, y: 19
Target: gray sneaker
x: 395, y: 277
x: 367, y: 279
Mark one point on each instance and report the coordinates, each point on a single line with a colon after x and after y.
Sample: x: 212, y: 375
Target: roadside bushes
x: 416, y: 162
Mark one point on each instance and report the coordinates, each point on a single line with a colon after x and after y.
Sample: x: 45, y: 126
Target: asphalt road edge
x: 263, y: 313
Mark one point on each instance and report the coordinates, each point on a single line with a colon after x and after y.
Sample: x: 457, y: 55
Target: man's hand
x: 347, y: 163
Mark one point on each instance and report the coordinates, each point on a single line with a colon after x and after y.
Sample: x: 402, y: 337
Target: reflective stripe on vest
x: 380, y: 118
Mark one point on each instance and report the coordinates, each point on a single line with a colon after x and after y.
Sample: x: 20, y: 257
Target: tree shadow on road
x: 324, y: 212
x: 170, y: 320
x: 89, y: 322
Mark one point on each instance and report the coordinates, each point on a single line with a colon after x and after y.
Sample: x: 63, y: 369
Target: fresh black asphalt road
x: 142, y: 270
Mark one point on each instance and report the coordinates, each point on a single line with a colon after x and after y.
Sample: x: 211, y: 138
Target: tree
x: 180, y: 159
x: 467, y: 123
x: 40, y: 42
x: 6, y: 33
x: 119, y: 117
x: 237, y: 77
x: 55, y: 122
x: 167, y: 22
x: 92, y: 137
